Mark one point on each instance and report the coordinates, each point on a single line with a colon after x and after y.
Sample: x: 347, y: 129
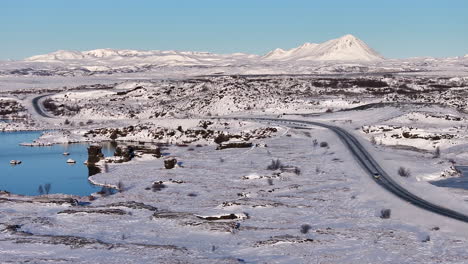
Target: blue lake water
x: 456, y: 182
x: 42, y: 165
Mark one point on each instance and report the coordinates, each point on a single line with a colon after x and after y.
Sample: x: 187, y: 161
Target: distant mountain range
x: 346, y: 48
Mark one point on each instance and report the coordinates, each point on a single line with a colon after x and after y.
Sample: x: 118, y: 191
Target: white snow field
x: 242, y: 191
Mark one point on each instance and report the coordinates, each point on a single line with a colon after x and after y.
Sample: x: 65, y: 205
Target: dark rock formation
x: 170, y: 163
x: 127, y: 153
x: 94, y: 154
x: 226, y: 145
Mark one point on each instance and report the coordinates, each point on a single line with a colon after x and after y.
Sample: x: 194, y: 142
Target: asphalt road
x: 38, y: 106
x: 373, y: 168
x: 362, y: 156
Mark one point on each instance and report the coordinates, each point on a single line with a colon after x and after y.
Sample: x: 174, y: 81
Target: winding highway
x: 360, y: 153
x: 375, y: 170
x: 38, y: 106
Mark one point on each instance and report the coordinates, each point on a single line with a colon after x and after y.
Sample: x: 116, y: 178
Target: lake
x: 455, y: 182
x: 42, y: 165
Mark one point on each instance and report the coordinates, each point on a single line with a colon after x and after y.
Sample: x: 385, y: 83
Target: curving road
x: 38, y: 106
x: 373, y: 168
x: 360, y: 153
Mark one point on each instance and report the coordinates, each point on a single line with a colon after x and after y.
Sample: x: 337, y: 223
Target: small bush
x: 385, y: 213
x: 114, y: 135
x: 315, y: 143
x: 275, y: 165
x: 324, y: 144
x: 120, y: 186
x: 47, y: 187
x: 270, y: 181
x: 297, y: 171
x: 67, y: 122
x: 305, y: 228
x: 158, y: 186
x: 329, y: 110
x: 404, y: 172
x: 426, y: 239
x: 40, y: 190
x: 437, y: 153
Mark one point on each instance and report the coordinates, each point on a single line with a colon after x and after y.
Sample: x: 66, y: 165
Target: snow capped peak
x: 345, y: 48
x: 348, y: 37
x: 101, y: 53
x: 275, y: 53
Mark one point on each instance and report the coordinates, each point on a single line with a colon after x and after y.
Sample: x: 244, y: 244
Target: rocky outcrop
x: 94, y: 154
x: 170, y: 163
x: 235, y: 144
x: 127, y: 153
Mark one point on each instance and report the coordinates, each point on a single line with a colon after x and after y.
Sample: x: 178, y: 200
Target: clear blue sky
x: 395, y: 28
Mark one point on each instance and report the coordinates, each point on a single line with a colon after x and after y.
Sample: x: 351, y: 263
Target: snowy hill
x: 346, y: 48
x: 135, y: 57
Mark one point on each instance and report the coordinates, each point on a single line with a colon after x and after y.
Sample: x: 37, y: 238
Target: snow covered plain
x: 226, y: 206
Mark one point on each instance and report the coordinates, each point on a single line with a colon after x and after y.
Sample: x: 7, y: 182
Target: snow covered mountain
x: 135, y: 57
x: 346, y: 48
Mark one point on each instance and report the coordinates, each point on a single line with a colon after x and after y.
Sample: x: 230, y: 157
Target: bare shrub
x: 437, y: 153
x: 47, y: 187
x: 297, y: 171
x: 373, y: 141
x: 120, y: 186
x: 404, y: 172
x: 270, y: 181
x: 385, y: 213
x: 275, y: 165
x: 305, y: 228
x: 40, y: 190
x: 315, y: 143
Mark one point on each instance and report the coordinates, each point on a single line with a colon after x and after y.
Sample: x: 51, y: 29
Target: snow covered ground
x: 326, y: 212
x: 225, y: 206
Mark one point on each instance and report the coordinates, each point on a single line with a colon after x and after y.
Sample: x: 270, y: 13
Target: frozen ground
x: 330, y: 193
x: 401, y: 110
